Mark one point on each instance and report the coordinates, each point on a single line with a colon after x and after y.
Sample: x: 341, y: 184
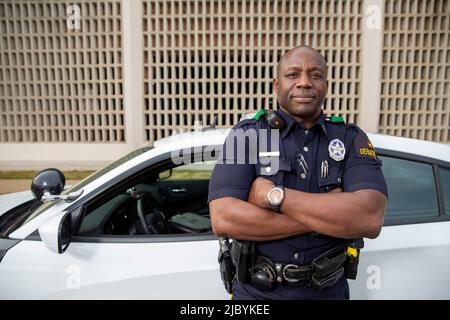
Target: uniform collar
x: 290, y: 122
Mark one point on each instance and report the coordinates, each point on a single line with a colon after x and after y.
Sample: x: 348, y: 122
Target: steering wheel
x: 153, y: 222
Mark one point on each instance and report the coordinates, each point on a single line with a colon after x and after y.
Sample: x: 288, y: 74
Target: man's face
x: 301, y: 85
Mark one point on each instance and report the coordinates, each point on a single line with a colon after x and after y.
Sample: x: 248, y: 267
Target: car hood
x: 11, y: 200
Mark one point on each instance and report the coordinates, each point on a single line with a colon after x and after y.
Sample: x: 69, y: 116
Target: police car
x: 140, y: 228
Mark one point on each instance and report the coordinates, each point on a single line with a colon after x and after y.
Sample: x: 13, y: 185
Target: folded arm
x: 238, y: 219
x: 338, y: 214
x: 343, y: 215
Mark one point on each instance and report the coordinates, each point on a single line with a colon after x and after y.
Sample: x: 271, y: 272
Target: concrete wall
x: 83, y: 83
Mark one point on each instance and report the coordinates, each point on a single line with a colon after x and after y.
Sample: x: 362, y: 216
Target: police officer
x: 326, y: 185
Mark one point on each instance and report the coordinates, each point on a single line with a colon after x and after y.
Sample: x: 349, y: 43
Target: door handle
x: 178, y: 190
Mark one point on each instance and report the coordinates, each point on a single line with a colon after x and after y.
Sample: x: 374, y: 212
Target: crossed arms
x: 338, y: 214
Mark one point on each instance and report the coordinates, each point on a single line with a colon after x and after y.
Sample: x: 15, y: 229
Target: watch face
x: 276, y: 196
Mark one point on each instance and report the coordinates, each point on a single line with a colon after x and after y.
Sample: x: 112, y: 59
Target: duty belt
x: 295, y: 273
x: 324, y: 271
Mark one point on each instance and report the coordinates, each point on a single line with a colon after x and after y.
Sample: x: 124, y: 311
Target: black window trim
x: 435, y: 165
x: 440, y: 190
x: 184, y: 237
x: 411, y: 157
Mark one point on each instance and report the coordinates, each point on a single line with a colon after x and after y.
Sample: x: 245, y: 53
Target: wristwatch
x: 276, y: 197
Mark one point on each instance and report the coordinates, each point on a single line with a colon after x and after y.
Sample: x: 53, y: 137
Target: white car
x: 91, y: 242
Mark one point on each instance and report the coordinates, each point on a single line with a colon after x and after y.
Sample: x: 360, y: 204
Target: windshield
x: 34, y: 211
x: 106, y: 169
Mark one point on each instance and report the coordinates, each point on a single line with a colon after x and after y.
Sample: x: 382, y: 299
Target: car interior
x: 166, y: 201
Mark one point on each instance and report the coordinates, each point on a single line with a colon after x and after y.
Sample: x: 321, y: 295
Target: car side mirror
x: 50, y: 181
x: 56, y: 232
x: 165, y: 174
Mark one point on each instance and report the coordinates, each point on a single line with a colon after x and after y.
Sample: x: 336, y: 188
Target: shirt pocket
x: 332, y: 180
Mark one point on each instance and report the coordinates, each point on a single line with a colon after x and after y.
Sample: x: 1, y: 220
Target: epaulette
x: 334, y: 119
x: 254, y: 115
x: 259, y: 114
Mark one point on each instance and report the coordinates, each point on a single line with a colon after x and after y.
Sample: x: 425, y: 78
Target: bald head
x: 300, y: 49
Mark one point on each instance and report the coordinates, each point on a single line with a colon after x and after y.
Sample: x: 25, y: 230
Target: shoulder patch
x: 363, y: 146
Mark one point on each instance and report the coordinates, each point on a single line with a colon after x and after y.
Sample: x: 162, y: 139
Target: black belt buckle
x: 302, y: 273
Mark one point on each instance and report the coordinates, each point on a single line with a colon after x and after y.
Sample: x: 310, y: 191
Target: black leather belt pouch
x: 329, y: 262
x: 243, y: 257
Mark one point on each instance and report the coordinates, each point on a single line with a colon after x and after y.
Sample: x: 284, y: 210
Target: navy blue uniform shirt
x: 299, y: 150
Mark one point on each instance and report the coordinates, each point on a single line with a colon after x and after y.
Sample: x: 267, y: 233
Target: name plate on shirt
x: 269, y: 162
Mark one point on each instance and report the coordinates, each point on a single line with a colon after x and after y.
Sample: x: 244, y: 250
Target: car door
x: 410, y: 258
x: 183, y: 268
x: 96, y: 266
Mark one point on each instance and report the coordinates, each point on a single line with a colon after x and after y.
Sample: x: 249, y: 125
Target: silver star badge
x: 336, y: 150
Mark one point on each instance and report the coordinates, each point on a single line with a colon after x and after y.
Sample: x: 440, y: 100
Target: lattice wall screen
x: 57, y: 84
x: 415, y: 75
x: 208, y: 58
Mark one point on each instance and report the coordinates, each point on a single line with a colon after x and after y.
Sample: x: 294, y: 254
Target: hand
x: 258, y: 192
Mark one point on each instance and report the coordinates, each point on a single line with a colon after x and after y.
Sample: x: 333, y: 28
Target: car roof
x: 416, y: 147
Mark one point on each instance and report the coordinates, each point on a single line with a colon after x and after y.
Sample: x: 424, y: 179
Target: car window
x: 444, y: 173
x: 173, y: 200
x: 35, y: 211
x: 194, y: 171
x: 411, y: 187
